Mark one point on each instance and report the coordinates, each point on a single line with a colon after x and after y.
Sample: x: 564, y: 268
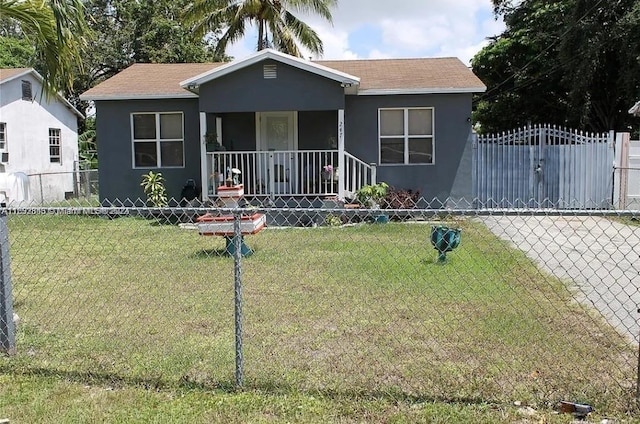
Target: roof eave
x: 321, y: 70
x: 396, y: 91
x: 19, y: 75
x: 37, y: 76
x: 98, y: 97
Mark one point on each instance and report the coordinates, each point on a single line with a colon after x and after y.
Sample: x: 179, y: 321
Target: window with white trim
x: 3, y: 136
x: 54, y: 145
x: 158, y: 139
x: 406, y: 135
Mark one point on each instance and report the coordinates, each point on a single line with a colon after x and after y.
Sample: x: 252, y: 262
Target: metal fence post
x: 638, y: 373
x: 41, y: 189
x: 237, y: 261
x: 87, y: 182
x: 7, y: 326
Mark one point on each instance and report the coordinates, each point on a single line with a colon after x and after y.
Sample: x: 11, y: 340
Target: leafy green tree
x: 58, y: 32
x: 601, y: 54
x: 88, y: 146
x: 567, y: 62
x: 136, y: 31
x: 15, y: 52
x: 277, y: 25
x: 519, y: 67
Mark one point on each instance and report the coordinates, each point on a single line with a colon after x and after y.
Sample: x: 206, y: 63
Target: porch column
x: 203, y: 157
x: 341, y: 162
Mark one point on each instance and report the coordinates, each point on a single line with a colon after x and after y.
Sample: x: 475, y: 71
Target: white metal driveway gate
x: 543, y: 166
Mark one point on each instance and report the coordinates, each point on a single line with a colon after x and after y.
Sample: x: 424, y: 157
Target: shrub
x: 400, y: 199
x: 153, y: 186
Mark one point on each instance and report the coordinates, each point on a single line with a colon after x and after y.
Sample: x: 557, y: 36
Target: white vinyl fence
x: 633, y: 187
x: 544, y: 166
x: 627, y: 183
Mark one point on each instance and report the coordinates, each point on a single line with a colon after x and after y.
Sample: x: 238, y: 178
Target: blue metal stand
x: 231, y: 246
x: 444, y: 239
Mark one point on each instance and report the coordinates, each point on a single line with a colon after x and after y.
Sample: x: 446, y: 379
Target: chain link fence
x: 534, y: 306
x: 79, y: 186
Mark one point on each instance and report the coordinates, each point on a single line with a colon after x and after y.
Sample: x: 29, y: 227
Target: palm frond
x: 234, y: 32
x: 284, y: 40
x: 306, y: 35
x: 317, y: 7
x: 273, y: 17
x: 59, y: 33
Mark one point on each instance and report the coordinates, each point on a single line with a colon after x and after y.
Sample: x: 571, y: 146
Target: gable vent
x: 270, y: 71
x: 26, y: 90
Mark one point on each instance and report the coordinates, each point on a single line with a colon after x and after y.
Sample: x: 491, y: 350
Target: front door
x: 277, y: 134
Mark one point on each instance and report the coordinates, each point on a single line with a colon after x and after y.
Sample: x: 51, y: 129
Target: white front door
x: 277, y: 134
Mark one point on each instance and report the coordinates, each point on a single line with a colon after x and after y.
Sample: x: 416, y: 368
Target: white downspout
x: 341, y: 161
x: 203, y: 157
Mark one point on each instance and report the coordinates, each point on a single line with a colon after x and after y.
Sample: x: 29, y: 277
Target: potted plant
x: 329, y: 173
x: 370, y: 195
x: 211, y: 141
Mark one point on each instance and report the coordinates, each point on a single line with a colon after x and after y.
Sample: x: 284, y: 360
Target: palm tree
x: 277, y: 26
x: 58, y: 30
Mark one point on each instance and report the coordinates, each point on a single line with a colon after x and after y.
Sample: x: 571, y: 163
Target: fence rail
x: 532, y: 305
x: 59, y: 186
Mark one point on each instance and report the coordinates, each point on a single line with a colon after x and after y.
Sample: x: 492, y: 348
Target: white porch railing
x: 290, y: 173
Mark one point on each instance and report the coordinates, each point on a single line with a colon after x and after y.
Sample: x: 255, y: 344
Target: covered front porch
x: 290, y: 173
x: 281, y: 154
x: 280, y: 120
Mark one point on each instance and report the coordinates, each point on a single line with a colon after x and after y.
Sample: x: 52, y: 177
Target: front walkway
x: 601, y: 257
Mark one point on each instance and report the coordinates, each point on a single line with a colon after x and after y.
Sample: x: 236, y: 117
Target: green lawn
x: 123, y: 320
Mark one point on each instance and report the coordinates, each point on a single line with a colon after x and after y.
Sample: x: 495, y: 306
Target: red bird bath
x: 209, y: 225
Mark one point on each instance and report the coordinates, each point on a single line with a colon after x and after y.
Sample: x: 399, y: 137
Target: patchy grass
x: 633, y: 220
x: 123, y: 320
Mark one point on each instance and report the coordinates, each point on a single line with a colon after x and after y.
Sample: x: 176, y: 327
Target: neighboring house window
x: 54, y: 145
x: 406, y: 135
x: 26, y: 90
x: 3, y: 136
x: 158, y: 140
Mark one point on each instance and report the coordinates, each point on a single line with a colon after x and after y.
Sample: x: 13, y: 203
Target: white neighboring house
x: 38, y: 137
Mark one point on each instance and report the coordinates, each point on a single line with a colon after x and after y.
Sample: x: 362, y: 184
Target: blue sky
x: 365, y: 29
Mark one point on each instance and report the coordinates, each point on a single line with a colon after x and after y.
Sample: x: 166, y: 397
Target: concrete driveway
x: 601, y: 257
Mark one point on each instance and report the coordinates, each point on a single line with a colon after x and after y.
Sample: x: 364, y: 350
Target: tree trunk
x: 261, y: 30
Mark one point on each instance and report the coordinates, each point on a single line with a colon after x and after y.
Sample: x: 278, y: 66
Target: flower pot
x: 381, y: 219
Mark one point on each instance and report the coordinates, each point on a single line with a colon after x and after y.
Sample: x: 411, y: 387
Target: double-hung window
x: 406, y: 136
x: 54, y: 145
x: 158, y: 139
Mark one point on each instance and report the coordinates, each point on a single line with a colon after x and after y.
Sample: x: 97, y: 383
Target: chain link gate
x: 533, y: 306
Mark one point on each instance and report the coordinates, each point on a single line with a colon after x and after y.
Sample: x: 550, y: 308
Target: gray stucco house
x: 293, y: 127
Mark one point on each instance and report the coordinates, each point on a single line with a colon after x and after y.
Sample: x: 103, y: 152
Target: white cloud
x: 401, y: 28
x: 335, y: 43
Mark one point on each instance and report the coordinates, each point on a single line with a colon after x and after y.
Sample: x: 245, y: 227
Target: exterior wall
x: 28, y: 124
x: 314, y: 130
x: 239, y: 131
x: 246, y: 90
x: 449, y: 177
x: 451, y: 173
x: 118, y: 179
x: 318, y: 130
